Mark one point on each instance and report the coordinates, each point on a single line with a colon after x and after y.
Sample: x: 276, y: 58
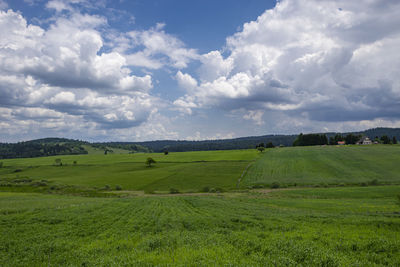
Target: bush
x: 205, y: 189
x: 275, y: 185
x: 173, y: 191
x: 39, y: 183
x: 398, y: 200
x: 23, y: 180
x: 150, y: 161
x: 1, y: 165
x: 106, y: 187
x: 219, y: 190
x: 256, y: 186
x: 374, y: 182
x: 18, y: 170
x: 149, y: 191
x: 118, y: 188
x: 363, y: 184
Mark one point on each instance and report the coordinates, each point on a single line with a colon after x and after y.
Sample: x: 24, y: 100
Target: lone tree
x: 260, y: 148
x: 58, y: 162
x: 150, y: 161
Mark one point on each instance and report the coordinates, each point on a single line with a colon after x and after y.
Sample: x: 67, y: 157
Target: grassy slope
x: 186, y: 171
x: 330, y: 164
x: 309, y: 227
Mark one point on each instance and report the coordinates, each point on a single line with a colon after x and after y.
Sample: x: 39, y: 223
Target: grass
x: 187, y: 171
x: 46, y: 220
x: 308, y: 227
x: 326, y: 165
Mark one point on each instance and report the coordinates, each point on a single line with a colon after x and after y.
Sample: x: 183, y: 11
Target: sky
x: 183, y: 69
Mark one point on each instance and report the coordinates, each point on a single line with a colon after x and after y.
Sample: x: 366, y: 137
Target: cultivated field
x: 326, y: 165
x: 45, y: 220
x: 309, y: 227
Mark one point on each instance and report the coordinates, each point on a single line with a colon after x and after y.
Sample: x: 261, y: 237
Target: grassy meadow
x: 48, y: 218
x: 185, y: 171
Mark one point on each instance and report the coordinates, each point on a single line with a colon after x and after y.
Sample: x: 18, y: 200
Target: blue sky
x: 145, y: 70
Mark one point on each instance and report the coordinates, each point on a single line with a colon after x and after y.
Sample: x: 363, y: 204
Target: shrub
x: 275, y: 185
x: 75, y: 162
x: 18, y: 170
x: 173, y: 191
x: 212, y: 190
x: 398, y: 200
x: 257, y: 186
x: 219, y: 190
x: 118, y: 188
x: 39, y: 183
x: 363, y: 184
x: 106, y: 187
x: 374, y: 182
x: 150, y: 161
x: 1, y: 164
x: 205, y: 189
x: 149, y: 191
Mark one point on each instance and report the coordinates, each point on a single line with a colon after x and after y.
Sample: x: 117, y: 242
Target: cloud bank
x: 322, y: 61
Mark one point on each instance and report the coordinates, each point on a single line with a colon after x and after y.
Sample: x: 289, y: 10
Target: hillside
x: 63, y: 146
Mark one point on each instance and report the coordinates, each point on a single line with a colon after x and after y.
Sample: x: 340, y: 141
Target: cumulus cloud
x: 330, y: 61
x: 160, y: 49
x: 63, y: 69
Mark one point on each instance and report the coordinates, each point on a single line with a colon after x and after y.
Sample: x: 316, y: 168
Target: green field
x: 327, y: 165
x: 326, y: 227
x: 185, y: 171
x: 47, y: 218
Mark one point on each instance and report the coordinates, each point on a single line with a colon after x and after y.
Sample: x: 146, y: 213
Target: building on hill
x: 341, y: 143
x: 364, y: 141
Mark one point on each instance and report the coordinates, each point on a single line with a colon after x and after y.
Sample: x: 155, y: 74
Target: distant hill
x: 63, y: 146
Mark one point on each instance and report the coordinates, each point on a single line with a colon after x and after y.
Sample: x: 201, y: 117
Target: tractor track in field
x: 243, y: 173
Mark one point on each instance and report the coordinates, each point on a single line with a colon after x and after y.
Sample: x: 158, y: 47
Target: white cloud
x: 63, y: 98
x: 3, y: 4
x: 160, y: 48
x: 322, y: 60
x: 58, y: 5
x: 185, y: 81
x: 255, y: 115
x: 61, y: 68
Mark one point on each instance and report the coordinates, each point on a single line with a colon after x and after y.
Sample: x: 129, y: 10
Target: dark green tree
x: 150, y: 161
x: 269, y: 145
x: 394, y: 140
x: 58, y: 162
x: 385, y: 139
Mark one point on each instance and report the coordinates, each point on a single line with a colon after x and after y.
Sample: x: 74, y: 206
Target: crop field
x: 351, y: 222
x: 309, y: 227
x: 327, y: 165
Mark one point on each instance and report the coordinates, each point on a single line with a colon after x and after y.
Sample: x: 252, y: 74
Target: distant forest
x: 63, y: 146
